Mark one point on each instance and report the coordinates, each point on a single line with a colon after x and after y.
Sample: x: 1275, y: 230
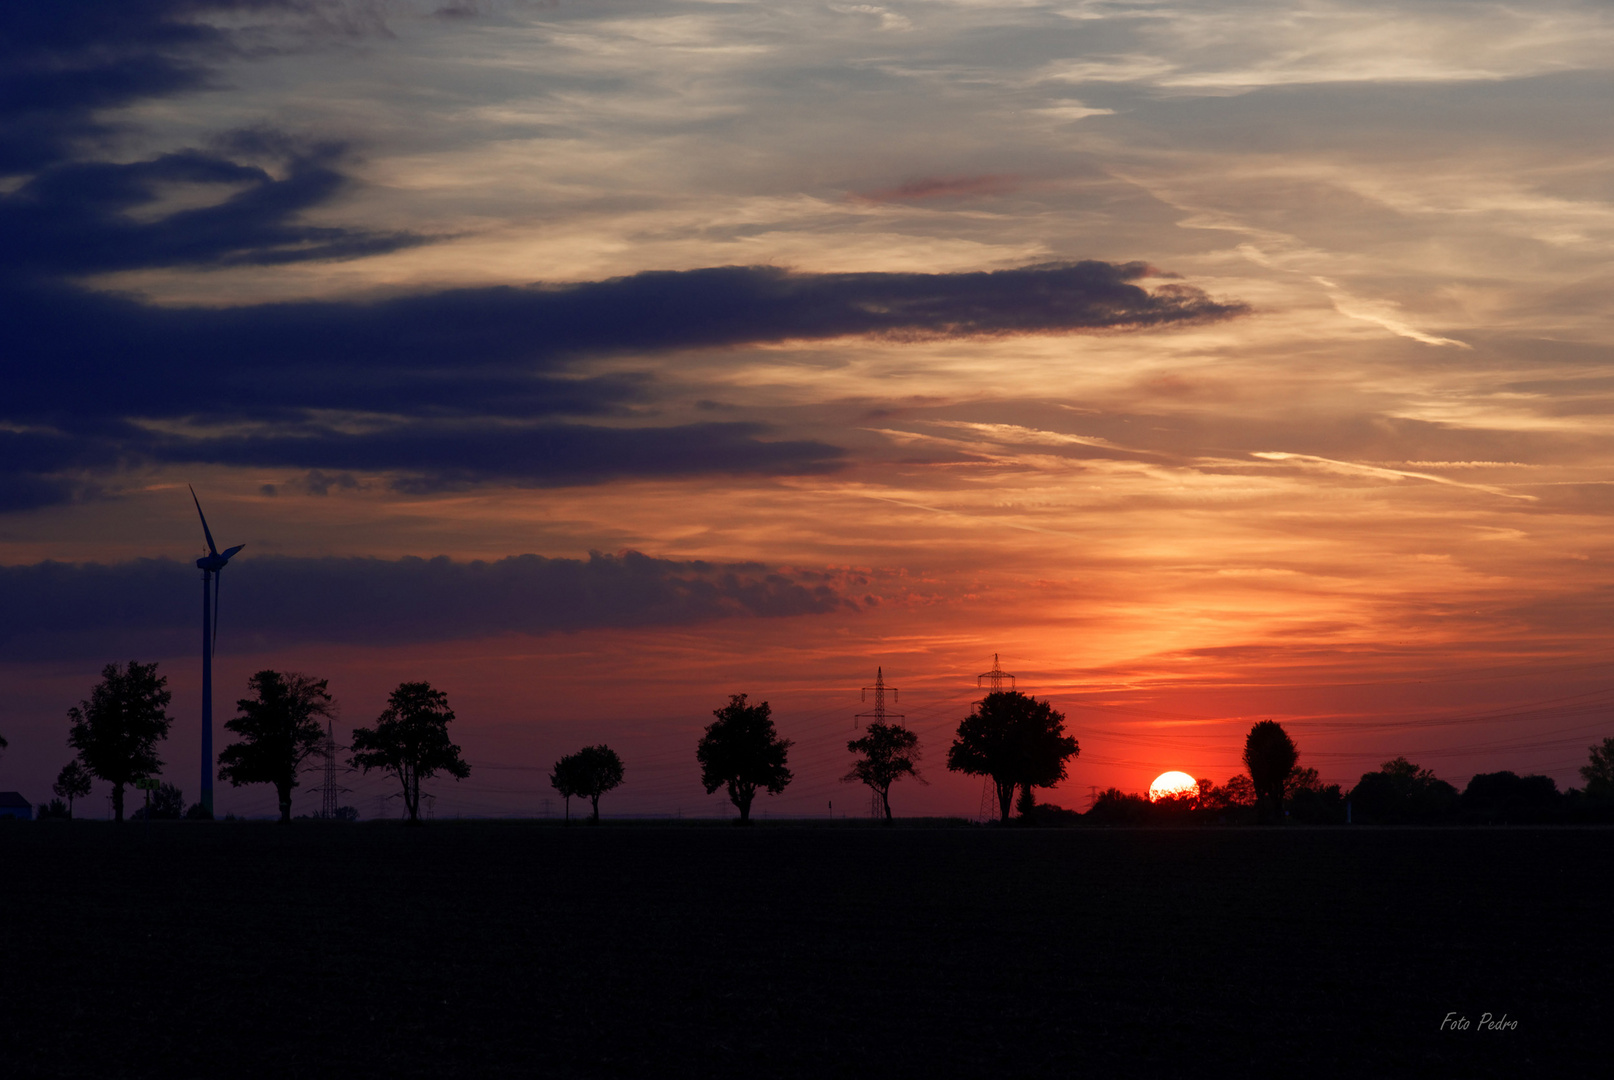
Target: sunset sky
x: 1209, y: 362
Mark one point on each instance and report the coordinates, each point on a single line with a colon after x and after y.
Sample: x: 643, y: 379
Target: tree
x: 1016, y: 740
x: 1237, y: 792
x: 53, y: 809
x: 1269, y: 755
x: 167, y: 804
x: 1400, y: 792
x: 279, y: 730
x: 589, y: 773
x: 410, y: 741
x: 1505, y: 797
x: 1598, y: 772
x: 116, y: 731
x: 73, y: 782
x: 741, y: 750
x: 890, y: 752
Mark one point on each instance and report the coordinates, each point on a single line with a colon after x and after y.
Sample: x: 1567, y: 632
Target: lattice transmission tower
x: 993, y: 680
x: 331, y: 792
x: 878, y: 716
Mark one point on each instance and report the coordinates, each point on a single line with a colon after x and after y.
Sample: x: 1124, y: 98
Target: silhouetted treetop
x: 1505, y: 798
x: 410, y: 741
x: 1598, y: 772
x: 1402, y: 793
x: 116, y: 731
x: 889, y: 752
x: 589, y: 773
x: 279, y: 729
x: 1016, y: 740
x: 73, y: 782
x: 1270, y: 756
x: 742, y: 751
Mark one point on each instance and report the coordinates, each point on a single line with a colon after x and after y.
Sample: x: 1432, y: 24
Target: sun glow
x: 1172, y: 783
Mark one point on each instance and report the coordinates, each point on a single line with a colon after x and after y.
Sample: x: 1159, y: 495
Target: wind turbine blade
x: 229, y: 552
x: 205, y: 530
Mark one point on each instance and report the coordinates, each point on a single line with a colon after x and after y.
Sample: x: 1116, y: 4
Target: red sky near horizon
x: 1208, y: 366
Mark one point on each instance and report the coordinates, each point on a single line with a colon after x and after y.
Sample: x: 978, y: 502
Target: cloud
x: 147, y: 608
x: 66, y: 69
x: 943, y: 187
x: 437, y: 458
x: 67, y: 65
x: 103, y: 380
x: 62, y: 64
x: 89, y: 217
x: 487, y: 349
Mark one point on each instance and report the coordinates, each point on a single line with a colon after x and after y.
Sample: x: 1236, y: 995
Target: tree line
x: 1014, y: 741
x: 1275, y: 788
x: 117, y: 730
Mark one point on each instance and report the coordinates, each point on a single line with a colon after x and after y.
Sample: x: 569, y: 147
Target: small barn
x: 12, y: 804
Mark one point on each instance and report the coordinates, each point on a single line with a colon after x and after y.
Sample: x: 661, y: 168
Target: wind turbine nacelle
x: 215, y: 562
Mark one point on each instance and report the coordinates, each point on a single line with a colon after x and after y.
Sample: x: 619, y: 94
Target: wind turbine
x: 211, y: 565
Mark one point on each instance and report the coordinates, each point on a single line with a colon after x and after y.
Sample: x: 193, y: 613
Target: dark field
x: 513, y: 949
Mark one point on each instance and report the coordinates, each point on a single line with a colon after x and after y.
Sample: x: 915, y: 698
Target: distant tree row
x: 1016, y: 741
x: 116, y: 733
x: 1013, y: 740
x: 1276, y: 788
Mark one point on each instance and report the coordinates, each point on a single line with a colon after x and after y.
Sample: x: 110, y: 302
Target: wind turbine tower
x: 212, y: 566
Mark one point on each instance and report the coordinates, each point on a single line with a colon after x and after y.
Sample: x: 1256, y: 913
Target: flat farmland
x: 496, y: 949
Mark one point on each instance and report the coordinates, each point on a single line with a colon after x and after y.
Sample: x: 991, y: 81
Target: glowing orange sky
x: 1373, y: 507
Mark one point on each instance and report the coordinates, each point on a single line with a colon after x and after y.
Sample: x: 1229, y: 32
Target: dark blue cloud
x: 495, y: 350
x: 147, y: 608
x: 435, y: 457
x: 458, y: 386
x: 73, y: 218
x: 472, y: 382
x: 66, y: 64
x: 63, y: 61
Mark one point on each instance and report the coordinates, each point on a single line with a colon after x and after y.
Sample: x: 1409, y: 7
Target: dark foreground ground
x: 493, y: 949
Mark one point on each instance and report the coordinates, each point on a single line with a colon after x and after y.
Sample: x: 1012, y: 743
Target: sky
x: 594, y: 361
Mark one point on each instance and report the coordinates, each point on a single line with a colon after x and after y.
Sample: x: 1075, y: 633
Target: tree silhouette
x: 1017, y: 741
x: 1507, y: 798
x: 1598, y: 772
x: 741, y: 750
x: 410, y: 741
x: 890, y: 752
x: 589, y: 773
x: 116, y: 731
x: 1237, y: 792
x: 1400, y: 792
x: 1269, y: 755
x: 1116, y: 807
x: 279, y: 730
x: 73, y: 782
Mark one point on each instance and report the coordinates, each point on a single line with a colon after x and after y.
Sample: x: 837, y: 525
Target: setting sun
x: 1172, y: 783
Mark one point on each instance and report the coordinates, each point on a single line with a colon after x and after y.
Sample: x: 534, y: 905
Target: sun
x: 1172, y: 783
